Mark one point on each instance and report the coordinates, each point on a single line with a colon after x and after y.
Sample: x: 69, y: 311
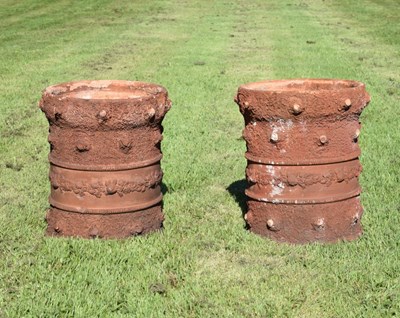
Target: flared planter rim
x: 303, y: 85
x: 110, y: 90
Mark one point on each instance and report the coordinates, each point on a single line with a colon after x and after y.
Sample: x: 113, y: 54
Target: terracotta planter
x: 302, y: 151
x: 105, y: 157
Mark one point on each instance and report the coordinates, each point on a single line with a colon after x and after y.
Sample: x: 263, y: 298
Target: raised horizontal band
x: 116, y: 167
x: 307, y: 162
x: 303, y: 184
x: 282, y: 200
x: 116, y: 210
x: 105, y: 191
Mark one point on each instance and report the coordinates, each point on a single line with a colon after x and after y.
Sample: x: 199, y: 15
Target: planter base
x: 305, y: 223
x: 119, y: 225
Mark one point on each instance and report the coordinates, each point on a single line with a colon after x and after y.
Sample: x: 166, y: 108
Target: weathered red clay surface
x: 302, y: 151
x: 104, y: 157
x: 303, y: 223
x: 106, y: 225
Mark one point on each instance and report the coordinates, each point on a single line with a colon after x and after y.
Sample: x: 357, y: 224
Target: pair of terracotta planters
x: 302, y: 152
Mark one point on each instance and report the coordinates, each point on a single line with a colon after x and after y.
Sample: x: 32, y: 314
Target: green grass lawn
x: 204, y: 263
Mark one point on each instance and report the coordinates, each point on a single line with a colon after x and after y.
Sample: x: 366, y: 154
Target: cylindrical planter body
x: 104, y: 157
x: 302, y: 152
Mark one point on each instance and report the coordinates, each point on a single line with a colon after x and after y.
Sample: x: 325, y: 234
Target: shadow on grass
x: 164, y: 188
x: 236, y: 190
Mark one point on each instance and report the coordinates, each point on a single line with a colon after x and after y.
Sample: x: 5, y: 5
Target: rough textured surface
x: 104, y: 156
x: 105, y: 191
x: 302, y: 150
x: 303, y: 184
x: 118, y: 225
x: 112, y: 125
x: 299, y: 142
x: 306, y: 223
